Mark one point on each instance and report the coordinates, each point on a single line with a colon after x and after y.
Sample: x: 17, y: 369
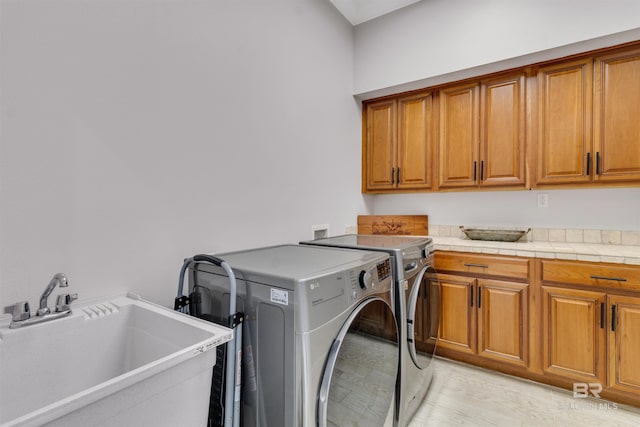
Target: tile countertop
x: 619, y: 254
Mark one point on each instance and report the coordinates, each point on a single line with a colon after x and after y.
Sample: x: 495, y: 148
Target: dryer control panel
x: 374, y: 278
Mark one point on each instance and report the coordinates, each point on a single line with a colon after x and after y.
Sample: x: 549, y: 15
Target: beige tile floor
x: 462, y: 395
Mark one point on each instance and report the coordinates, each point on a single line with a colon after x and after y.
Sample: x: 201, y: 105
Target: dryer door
x: 359, y: 380
x: 423, y: 313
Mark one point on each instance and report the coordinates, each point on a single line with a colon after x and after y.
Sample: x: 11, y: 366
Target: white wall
x: 605, y: 209
x: 435, y: 41
x: 135, y: 133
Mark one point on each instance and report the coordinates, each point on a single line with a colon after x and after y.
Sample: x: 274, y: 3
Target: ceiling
x: 359, y: 11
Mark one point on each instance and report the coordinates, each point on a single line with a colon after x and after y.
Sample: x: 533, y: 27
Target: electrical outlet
x: 543, y: 200
x: 351, y: 229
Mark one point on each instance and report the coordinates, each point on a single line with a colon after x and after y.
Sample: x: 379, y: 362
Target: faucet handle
x: 64, y: 301
x: 21, y: 311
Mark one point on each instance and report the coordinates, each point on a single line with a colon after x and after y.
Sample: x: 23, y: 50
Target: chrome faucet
x: 59, y: 279
x: 22, y: 314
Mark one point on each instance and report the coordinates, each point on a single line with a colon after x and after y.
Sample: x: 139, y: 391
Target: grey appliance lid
x: 389, y: 243
x: 285, y: 265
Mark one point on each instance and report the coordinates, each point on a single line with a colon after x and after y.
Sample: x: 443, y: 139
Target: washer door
x: 422, y: 316
x: 360, y: 375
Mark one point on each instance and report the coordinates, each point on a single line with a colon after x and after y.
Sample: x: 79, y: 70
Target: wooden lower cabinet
x: 457, y: 329
x: 484, y: 317
x: 624, y: 344
x: 570, y: 322
x: 502, y: 321
x: 573, y: 334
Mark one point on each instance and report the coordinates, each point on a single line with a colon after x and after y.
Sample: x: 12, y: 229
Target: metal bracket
x: 235, y: 320
x: 180, y: 302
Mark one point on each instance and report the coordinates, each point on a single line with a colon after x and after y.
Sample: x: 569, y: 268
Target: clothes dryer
x: 416, y: 292
x: 320, y: 343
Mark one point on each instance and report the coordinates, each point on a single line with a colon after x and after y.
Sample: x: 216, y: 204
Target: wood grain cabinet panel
x: 573, y: 334
x: 398, y: 143
x: 502, y: 320
x: 415, y: 142
x: 380, y: 144
x: 502, y: 131
x: 564, y: 152
x: 482, y: 133
x: 617, y: 116
x: 599, y: 275
x: 458, y: 138
x: 486, y: 318
x: 484, y: 265
x: 624, y: 344
x: 457, y: 329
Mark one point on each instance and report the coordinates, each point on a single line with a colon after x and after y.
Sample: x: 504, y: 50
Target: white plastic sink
x: 118, y: 362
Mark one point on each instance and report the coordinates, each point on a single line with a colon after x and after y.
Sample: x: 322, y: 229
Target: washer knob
x: 366, y: 279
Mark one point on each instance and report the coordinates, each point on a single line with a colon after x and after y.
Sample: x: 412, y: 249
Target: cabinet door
x: 457, y: 329
x: 380, y: 145
x: 415, y: 141
x: 624, y: 344
x: 502, y: 321
x: 617, y: 116
x: 564, y: 123
x: 427, y: 316
x: 458, y: 138
x: 573, y: 336
x: 502, y: 131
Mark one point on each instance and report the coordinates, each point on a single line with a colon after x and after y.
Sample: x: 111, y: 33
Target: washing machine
x: 417, y: 296
x: 321, y: 345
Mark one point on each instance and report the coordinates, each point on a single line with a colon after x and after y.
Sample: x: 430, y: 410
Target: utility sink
x: 121, y: 361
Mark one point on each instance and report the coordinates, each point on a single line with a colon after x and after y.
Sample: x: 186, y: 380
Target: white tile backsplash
x: 612, y: 237
x: 592, y: 236
x: 575, y: 236
x: 631, y: 237
x: 553, y: 235
x: 557, y: 235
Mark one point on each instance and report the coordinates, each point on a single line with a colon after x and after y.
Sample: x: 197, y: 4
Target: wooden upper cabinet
x: 415, y: 141
x: 380, y: 145
x: 502, y: 131
x: 564, y: 153
x: 458, y: 139
x: 397, y: 143
x: 617, y: 116
x: 482, y: 133
x: 573, y: 122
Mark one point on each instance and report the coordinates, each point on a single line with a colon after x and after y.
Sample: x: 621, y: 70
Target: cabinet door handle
x: 597, y: 163
x: 398, y: 175
x: 393, y: 174
x: 475, y: 165
x: 482, y: 170
x: 615, y: 279
x: 588, y: 163
x: 476, y: 265
x: 613, y: 318
x: 480, y: 297
x: 601, y: 315
x: 471, y: 297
